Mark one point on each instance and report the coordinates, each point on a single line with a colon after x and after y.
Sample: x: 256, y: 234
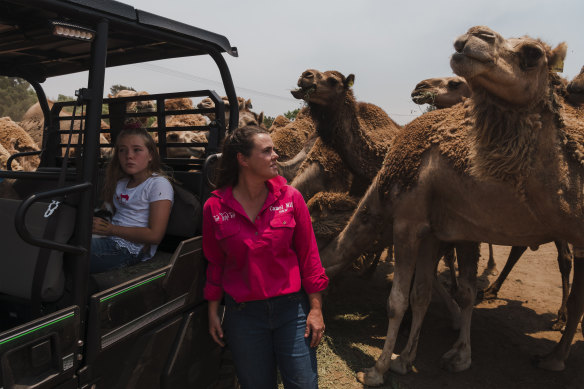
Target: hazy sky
x: 388, y: 45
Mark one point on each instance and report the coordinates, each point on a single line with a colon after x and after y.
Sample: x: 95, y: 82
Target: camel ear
x: 556, y: 60
x: 261, y: 118
x: 349, y: 81
x: 248, y: 104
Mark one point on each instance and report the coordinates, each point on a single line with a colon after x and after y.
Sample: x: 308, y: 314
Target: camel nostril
x: 459, y: 44
x: 308, y: 75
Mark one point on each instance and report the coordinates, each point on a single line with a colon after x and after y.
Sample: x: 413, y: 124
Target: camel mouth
x: 304, y: 93
x: 421, y: 97
x: 462, y: 56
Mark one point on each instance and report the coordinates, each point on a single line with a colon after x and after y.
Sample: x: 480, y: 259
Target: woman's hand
x: 102, y: 227
x: 315, y: 321
x: 215, y: 328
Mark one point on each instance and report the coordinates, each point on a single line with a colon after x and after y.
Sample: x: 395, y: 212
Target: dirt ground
x: 506, y: 332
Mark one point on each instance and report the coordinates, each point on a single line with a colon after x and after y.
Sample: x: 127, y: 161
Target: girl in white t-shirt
x: 142, y: 197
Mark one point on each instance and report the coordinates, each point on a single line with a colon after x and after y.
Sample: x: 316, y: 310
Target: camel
x: 33, y: 123
x: 5, y: 155
x: 444, y: 93
x: 246, y: 116
x: 505, y: 167
x: 279, y: 121
x: 441, y: 92
x: 575, y: 89
x: 359, y: 132
x: 136, y: 106
x: 175, y: 134
x: 16, y: 140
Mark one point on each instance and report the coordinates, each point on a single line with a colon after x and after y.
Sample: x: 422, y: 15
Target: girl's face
x: 133, y: 155
x: 262, y: 159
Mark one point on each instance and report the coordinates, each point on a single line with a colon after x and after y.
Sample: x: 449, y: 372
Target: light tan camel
x: 504, y: 167
x: 175, y: 132
x: 441, y: 92
x: 4, y: 156
x: 246, y: 116
x: 33, y: 122
x: 16, y: 140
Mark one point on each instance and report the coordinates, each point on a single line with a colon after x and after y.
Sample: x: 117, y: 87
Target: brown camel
x: 16, y: 140
x: 505, y: 167
x: 359, y: 132
x: 441, y: 92
x: 444, y: 93
x: 576, y: 89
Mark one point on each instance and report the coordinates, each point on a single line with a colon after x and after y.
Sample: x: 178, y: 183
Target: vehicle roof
x: 28, y: 46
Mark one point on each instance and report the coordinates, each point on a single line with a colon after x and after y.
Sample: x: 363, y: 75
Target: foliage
x: 268, y: 120
x: 118, y: 87
x: 291, y: 115
x: 16, y: 96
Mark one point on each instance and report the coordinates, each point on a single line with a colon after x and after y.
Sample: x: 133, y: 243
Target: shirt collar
x: 274, y: 185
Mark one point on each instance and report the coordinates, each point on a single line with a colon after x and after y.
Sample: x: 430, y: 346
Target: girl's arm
x: 153, y: 234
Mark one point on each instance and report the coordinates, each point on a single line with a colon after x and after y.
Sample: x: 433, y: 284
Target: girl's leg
x: 249, y: 337
x: 107, y: 255
x: 296, y: 359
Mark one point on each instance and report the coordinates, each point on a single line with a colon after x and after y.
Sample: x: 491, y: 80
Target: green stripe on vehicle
x: 36, y: 328
x: 131, y: 287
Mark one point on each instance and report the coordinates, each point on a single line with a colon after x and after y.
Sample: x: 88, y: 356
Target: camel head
x: 324, y: 89
x: 515, y: 70
x: 178, y: 104
x: 441, y: 92
x: 576, y: 89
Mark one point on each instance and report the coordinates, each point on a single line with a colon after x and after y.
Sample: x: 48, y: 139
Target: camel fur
x: 14, y: 137
x: 462, y: 183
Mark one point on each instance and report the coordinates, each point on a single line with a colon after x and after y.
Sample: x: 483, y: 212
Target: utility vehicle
x: 144, y: 326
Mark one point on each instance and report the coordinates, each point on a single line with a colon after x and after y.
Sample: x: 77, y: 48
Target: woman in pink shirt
x: 263, y: 260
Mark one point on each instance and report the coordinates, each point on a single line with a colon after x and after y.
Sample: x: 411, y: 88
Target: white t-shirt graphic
x: 133, y: 208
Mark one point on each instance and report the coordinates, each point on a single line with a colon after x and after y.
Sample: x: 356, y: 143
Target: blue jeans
x: 106, y: 255
x: 266, y: 334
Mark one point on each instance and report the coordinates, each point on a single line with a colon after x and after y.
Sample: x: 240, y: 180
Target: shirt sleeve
x: 312, y: 273
x: 213, y: 289
x: 161, y: 189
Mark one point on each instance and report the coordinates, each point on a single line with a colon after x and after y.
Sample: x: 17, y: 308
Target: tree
x: 268, y: 120
x: 118, y: 87
x: 16, y: 96
x: 291, y: 115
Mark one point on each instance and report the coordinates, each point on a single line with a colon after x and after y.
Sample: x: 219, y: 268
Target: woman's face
x: 262, y: 159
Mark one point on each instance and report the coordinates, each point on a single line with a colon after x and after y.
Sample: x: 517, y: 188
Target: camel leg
x: 451, y: 305
x: 420, y: 297
x: 491, y: 291
x: 565, y: 264
x: 458, y: 358
x: 555, y: 360
x: 491, y: 265
x: 406, y: 252
x: 449, y: 259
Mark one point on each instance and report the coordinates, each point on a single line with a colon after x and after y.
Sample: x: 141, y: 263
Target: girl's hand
x: 101, y: 226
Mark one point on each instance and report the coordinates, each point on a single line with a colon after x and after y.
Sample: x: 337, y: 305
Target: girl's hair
x: 114, y: 171
x: 239, y: 140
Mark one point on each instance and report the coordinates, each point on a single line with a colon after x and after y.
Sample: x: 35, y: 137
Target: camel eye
x: 332, y: 81
x: 454, y: 84
x: 530, y: 56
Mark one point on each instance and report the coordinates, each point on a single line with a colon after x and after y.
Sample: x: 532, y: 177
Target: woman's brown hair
x: 239, y: 140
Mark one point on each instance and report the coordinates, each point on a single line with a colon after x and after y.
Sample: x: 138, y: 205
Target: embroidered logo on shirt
x: 282, y: 208
x: 124, y: 197
x: 224, y: 216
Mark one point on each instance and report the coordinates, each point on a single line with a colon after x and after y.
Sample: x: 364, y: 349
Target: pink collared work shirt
x: 274, y: 255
